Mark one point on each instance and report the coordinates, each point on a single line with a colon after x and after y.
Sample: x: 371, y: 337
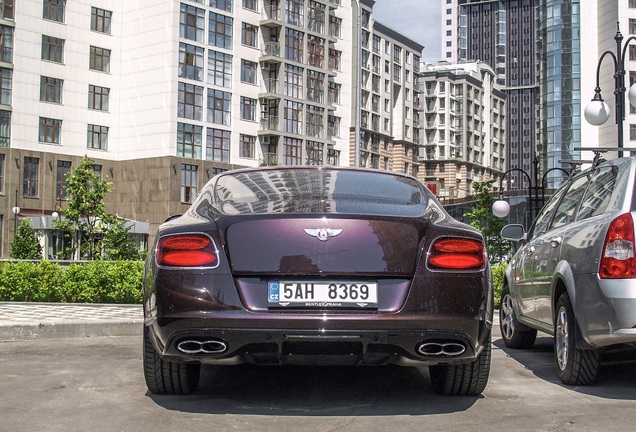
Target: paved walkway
x: 20, y: 321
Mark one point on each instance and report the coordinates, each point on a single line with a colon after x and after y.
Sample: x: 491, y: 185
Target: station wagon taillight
x: 450, y: 253
x: 187, y: 250
x: 617, y: 261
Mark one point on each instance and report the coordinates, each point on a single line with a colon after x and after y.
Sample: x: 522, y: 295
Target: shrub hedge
x: 92, y: 282
x: 98, y: 282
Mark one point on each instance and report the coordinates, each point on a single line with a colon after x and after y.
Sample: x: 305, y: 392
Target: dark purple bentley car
x: 317, y: 266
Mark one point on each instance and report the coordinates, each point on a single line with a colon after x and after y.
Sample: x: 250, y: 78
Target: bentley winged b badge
x: 323, y: 234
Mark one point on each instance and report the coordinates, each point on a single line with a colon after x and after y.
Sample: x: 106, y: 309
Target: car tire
x: 514, y: 334
x: 166, y: 377
x: 464, y: 379
x: 575, y: 366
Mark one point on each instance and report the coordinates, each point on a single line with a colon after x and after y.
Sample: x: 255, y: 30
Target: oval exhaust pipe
x: 449, y: 349
x: 202, y: 347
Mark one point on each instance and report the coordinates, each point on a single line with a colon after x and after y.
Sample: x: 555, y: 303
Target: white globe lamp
x: 597, y: 112
x: 501, y: 208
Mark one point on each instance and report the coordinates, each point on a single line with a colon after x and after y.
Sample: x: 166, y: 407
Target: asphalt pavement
x: 25, y: 321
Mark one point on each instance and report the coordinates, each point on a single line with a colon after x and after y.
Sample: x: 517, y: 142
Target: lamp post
x: 597, y: 112
x: 16, y: 212
x: 536, y: 191
x: 57, y: 215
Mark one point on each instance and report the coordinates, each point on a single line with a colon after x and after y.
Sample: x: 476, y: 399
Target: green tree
x: 85, y: 215
x: 25, y: 244
x: 482, y: 218
x: 117, y: 243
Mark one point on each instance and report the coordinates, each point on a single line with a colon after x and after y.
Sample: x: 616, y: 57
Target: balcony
x: 271, y: 49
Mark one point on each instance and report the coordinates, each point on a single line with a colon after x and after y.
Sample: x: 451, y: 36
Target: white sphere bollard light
x: 597, y: 112
x: 501, y: 208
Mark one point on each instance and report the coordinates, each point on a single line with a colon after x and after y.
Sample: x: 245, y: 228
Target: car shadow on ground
x: 315, y: 391
x: 616, y: 378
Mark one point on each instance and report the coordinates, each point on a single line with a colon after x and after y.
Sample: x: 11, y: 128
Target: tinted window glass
x: 567, y: 207
x: 543, y: 220
x: 597, y: 197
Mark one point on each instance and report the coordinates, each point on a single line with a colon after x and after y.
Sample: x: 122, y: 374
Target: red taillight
x: 187, y: 250
x: 457, y: 254
x: 618, y: 260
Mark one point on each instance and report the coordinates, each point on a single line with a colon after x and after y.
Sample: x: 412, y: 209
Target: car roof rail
x: 598, y: 150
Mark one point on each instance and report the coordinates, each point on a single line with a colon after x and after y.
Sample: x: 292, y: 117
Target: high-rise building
x: 464, y: 127
x: 163, y: 95
x: 502, y: 34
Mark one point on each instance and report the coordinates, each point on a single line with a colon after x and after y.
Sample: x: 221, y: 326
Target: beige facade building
x: 463, y: 116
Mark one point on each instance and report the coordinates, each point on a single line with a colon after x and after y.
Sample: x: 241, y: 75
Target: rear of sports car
x: 317, y: 266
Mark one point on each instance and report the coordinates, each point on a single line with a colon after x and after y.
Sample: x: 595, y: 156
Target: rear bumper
x: 313, y: 342
x: 607, y: 314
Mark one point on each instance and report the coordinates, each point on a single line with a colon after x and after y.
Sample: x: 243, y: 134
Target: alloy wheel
x: 561, y: 336
x: 507, y: 317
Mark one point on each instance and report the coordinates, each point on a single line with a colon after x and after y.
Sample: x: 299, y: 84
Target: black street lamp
x: 536, y: 191
x: 597, y: 112
x: 16, y: 212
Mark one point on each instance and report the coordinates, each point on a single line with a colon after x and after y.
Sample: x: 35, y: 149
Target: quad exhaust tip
x: 202, y: 347
x: 446, y: 349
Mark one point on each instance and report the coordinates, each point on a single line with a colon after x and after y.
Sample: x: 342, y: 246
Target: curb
x: 70, y: 329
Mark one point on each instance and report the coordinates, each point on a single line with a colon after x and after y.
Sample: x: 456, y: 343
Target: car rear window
x: 597, y: 197
x: 319, y: 190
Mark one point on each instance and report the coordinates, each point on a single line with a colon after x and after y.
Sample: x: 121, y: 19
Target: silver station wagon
x: 574, y: 275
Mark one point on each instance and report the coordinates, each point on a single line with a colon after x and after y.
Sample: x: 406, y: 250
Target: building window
x: 294, y: 81
x: 5, y: 128
x: 314, y: 153
x: 99, y: 59
x: 315, y: 86
x: 335, y: 26
x: 6, y: 9
x: 192, y: 23
x: 333, y: 126
x: 248, y: 71
x: 250, y: 4
x: 632, y: 4
x: 315, y: 51
x: 190, y: 62
x: 294, y: 41
x: 224, y: 5
x: 189, y: 139
x: 293, y: 151
x: 295, y: 12
x: 63, y: 168
x: 30, y: 177
x: 50, y: 130
x: 316, y: 17
x: 219, y: 107
x: 293, y: 117
x: 97, y: 137
x: 335, y: 57
x: 220, y: 33
x: 52, y: 49
x: 190, y: 101
x: 188, y: 183
x: 218, y: 145
x: 314, y: 121
x: 6, y: 43
x: 248, y: 144
x: 6, y: 84
x: 334, y: 93
x: 98, y: 97
x: 219, y: 69
x: 333, y: 157
x: 249, y: 35
x: 54, y: 10
x: 248, y: 109
x: 51, y: 89
x: 101, y: 20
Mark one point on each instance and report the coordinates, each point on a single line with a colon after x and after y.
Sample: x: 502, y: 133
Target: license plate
x: 312, y: 294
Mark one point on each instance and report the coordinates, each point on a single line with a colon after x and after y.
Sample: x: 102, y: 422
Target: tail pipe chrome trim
x: 448, y: 349
x: 202, y: 347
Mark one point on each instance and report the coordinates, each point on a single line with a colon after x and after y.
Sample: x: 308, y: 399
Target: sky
x: 419, y: 20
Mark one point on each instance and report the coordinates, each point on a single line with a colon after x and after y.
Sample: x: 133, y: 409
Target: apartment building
x: 464, y: 127
x: 162, y: 96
